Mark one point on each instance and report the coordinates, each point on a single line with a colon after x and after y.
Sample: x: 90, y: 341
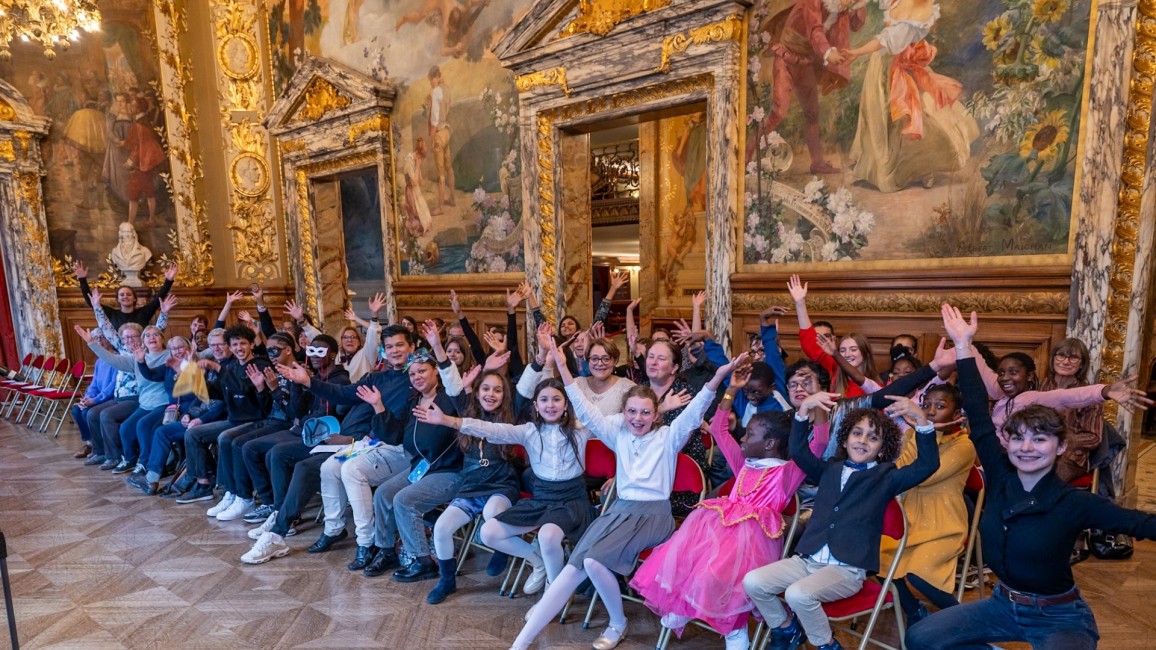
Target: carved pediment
x: 551, y: 20
x: 322, y: 89
x: 17, y: 114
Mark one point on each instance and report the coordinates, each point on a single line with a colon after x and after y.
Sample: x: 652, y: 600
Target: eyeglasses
x: 598, y: 360
x: 316, y: 351
x: 274, y: 351
x: 800, y: 384
x: 1068, y: 356
x: 219, y: 344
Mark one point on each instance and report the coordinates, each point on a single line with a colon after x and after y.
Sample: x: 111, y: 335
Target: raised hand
x: 80, y: 269
x: 698, y: 300
x: 83, y: 333
x: 376, y: 303
x: 772, y: 313
x: 496, y: 341
x: 255, y: 376
x: 232, y: 297
x: 455, y: 304
x: 634, y: 304
x: 470, y: 376
x: 246, y: 318
x: 740, y: 375
x: 271, y: 379
x: 821, y: 400
x: 497, y: 360
x: 907, y: 409
x: 168, y: 302
x: 797, y: 289
x: 828, y: 344
x: 257, y: 292
x: 294, y: 373
x: 370, y: 395
x: 295, y: 311
x: 618, y: 279
x: 432, y: 415
x: 682, y: 334
x: 513, y: 299
x: 944, y: 356
x: 1127, y: 397
x: 743, y: 359
x: 961, y: 330
x: 171, y: 270
x: 598, y: 330
x: 545, y: 336
x: 95, y: 295
x: 138, y: 353
x: 429, y: 331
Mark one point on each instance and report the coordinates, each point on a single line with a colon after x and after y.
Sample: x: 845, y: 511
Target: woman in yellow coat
x: 936, y: 512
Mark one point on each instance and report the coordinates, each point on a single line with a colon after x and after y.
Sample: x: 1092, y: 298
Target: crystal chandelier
x: 51, y: 23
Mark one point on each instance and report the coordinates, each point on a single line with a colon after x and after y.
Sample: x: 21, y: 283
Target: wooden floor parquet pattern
x: 98, y: 566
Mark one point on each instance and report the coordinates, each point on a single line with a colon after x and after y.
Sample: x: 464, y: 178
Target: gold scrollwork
x: 7, y: 113
x: 238, y: 55
x: 320, y: 97
x: 600, y: 17
x: 37, y: 260
x: 1132, y: 172
x: 727, y: 29
x: 191, y: 244
x: 379, y: 124
x: 551, y: 77
x: 7, y: 151
x: 1036, y: 302
x: 254, y: 229
x: 438, y: 300
x: 545, y: 159
x: 292, y: 146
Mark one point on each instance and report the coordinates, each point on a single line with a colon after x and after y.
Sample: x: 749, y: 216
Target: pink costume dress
x: 698, y: 573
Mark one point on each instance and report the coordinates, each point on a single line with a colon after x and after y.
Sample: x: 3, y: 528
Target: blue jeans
x: 398, y: 506
x: 973, y: 625
x: 130, y: 431
x: 163, y: 438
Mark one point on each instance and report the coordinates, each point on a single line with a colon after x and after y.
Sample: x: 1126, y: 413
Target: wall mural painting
x: 455, y: 118
x: 682, y: 207
x: 934, y: 130
x: 105, y: 155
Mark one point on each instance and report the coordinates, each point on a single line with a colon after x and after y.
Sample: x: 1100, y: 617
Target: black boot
x: 364, y: 557
x: 422, y: 568
x: 383, y: 561
x: 447, y: 584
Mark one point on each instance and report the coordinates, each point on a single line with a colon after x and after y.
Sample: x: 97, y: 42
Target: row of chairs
x: 45, y: 388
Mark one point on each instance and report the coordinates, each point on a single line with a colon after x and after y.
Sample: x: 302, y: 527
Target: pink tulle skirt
x: 698, y: 572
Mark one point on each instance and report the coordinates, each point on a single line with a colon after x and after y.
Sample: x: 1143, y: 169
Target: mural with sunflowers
x: 912, y: 129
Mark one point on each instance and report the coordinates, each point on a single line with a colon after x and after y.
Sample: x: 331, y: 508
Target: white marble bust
x: 129, y: 255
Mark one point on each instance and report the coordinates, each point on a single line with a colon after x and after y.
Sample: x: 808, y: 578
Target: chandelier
x: 51, y: 23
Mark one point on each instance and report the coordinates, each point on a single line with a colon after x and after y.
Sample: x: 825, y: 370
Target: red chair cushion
x: 861, y: 603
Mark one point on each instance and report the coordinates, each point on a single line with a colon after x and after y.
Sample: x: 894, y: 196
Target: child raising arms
x: 841, y: 543
x: 698, y: 573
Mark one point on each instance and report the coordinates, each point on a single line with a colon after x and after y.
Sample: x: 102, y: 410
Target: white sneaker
x: 265, y: 527
x: 239, y: 508
x: 268, y: 546
x: 221, y: 506
x: 536, y: 581
x: 738, y: 639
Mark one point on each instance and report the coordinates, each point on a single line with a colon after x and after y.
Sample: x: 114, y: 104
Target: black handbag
x: 1109, y: 546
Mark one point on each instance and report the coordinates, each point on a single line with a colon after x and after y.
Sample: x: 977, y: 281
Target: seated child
x: 841, y: 543
x: 693, y: 575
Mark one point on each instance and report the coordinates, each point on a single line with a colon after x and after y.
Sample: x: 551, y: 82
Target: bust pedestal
x: 132, y: 278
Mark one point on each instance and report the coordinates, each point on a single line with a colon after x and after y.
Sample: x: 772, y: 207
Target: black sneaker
x: 109, y: 464
x: 140, y: 482
x: 122, y: 467
x: 95, y: 459
x: 259, y: 515
x: 200, y: 492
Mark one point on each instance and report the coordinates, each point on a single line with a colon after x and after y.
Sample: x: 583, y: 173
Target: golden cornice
x: 1035, y: 302
x: 7, y: 151
x: 441, y: 300
x: 1137, y: 126
x: 292, y: 146
x: 7, y: 113
x: 727, y: 29
x: 378, y: 124
x: 552, y: 77
x: 600, y: 17
x: 320, y: 97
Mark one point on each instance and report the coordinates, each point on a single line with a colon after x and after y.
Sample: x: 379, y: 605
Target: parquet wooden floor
x: 95, y: 565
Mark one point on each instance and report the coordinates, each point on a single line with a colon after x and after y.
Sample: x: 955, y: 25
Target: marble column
x: 1112, y: 270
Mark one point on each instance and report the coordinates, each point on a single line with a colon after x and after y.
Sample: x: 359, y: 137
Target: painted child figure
x: 692, y: 575
x: 841, y: 544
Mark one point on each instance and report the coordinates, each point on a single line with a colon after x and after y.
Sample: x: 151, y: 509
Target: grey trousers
x: 805, y: 585
x: 398, y: 506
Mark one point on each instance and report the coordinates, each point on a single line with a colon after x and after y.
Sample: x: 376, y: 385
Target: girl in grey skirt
x: 640, y: 517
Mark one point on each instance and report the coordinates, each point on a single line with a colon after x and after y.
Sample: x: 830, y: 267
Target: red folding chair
x: 57, y: 380
x: 35, y: 370
x: 874, y: 597
x: 975, y: 486
x: 47, y: 368
x: 70, y: 393
x: 688, y: 477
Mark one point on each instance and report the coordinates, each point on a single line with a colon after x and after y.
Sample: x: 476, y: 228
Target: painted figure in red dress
x: 146, y: 159
x: 808, y: 60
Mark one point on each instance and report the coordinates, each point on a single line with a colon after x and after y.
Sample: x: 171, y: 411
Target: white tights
x: 559, y: 592
x: 454, y: 518
x: 508, y: 539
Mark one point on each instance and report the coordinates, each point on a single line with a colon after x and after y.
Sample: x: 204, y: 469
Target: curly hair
x: 888, y: 431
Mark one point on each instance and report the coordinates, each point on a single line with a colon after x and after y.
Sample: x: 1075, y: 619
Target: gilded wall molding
x: 375, y: 124
x: 547, y: 136
x: 600, y: 17
x: 243, y: 102
x: 193, y: 248
x: 727, y: 29
x: 1133, y: 167
x: 552, y: 77
x: 36, y: 281
x: 441, y: 300
x: 1037, y: 302
x: 320, y: 97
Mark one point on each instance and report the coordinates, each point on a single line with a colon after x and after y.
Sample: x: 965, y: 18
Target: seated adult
x: 99, y: 391
x: 104, y: 419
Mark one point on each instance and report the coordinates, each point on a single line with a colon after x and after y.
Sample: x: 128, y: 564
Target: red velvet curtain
x: 8, y: 353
